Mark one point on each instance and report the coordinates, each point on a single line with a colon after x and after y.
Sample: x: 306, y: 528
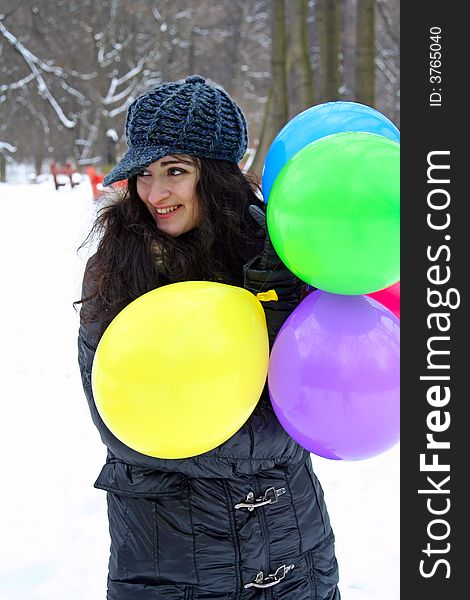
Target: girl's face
x: 168, y: 189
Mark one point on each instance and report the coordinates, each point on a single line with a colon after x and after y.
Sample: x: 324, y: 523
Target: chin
x: 173, y: 231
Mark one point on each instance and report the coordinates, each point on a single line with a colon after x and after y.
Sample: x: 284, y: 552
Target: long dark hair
x: 134, y: 256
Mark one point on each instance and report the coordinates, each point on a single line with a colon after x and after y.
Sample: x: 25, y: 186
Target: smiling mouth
x: 167, y: 210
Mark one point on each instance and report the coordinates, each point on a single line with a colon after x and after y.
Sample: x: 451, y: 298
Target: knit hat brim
x: 134, y: 162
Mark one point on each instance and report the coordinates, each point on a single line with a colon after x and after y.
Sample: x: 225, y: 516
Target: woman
x: 246, y: 520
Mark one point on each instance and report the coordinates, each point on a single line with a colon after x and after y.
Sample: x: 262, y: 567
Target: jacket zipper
x: 268, y: 595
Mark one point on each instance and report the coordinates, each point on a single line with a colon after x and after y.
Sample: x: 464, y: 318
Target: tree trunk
x: 365, y: 61
x: 38, y: 160
x: 276, y: 114
x: 299, y: 69
x: 263, y: 144
x: 279, y: 91
x: 329, y: 24
x: 109, y: 142
x: 191, y: 52
x: 3, y: 168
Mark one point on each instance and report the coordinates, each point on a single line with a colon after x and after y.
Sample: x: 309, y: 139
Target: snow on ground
x: 54, y: 532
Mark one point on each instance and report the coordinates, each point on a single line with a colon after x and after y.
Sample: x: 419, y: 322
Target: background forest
x: 69, y: 69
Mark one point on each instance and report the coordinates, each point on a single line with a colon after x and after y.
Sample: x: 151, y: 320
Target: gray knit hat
x: 189, y: 117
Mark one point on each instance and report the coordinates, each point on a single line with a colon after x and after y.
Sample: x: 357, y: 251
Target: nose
x: 158, y: 192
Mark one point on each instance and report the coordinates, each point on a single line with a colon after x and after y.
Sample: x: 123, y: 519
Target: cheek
x: 143, y: 195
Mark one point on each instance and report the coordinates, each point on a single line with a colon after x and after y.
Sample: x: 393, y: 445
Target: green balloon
x: 334, y: 213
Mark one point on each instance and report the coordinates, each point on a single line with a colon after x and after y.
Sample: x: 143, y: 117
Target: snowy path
x: 54, y: 530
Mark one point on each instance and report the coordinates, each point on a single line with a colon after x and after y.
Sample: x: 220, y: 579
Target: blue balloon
x: 317, y: 122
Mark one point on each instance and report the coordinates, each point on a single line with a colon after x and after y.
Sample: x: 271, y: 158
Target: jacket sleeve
x: 88, y: 338
x: 89, y: 335
x: 288, y: 287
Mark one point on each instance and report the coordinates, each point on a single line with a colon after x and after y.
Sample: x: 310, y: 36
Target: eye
x: 144, y: 173
x: 174, y: 171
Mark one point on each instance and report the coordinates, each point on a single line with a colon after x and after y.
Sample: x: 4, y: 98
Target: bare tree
x: 387, y: 59
x: 365, y: 61
x: 328, y: 12
x: 70, y: 69
x: 276, y: 108
x: 299, y: 69
x: 279, y: 107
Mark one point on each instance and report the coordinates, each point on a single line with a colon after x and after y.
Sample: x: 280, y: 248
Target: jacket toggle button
x: 271, y: 496
x: 264, y: 582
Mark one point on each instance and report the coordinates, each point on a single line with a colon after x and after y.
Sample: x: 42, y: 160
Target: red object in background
x: 389, y: 297
x: 96, y: 180
x: 67, y: 169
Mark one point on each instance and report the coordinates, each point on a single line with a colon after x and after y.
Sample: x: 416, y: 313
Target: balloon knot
x: 267, y: 296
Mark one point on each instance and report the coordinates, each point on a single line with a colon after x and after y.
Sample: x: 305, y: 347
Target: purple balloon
x: 334, y: 376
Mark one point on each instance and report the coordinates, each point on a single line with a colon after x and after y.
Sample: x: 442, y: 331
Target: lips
x: 163, y: 212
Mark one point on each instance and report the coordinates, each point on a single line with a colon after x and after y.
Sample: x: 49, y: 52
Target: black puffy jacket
x: 244, y: 521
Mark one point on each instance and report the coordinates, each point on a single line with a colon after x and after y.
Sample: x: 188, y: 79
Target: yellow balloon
x: 179, y: 370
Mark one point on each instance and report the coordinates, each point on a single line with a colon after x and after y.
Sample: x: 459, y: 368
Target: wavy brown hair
x: 133, y: 256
